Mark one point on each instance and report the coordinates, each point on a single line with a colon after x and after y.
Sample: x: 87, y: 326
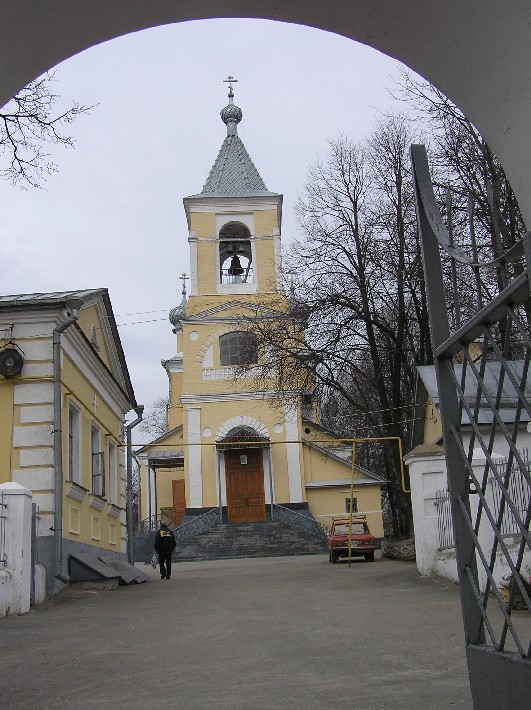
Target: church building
x: 229, y: 446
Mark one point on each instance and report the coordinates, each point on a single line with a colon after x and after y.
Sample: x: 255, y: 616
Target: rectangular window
x: 97, y: 463
x: 113, y: 474
x: 238, y: 348
x: 354, y: 505
x: 74, y: 444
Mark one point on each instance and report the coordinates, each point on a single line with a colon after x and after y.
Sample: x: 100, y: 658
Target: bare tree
x: 476, y: 186
x: 355, y: 325
x: 155, y: 422
x: 27, y: 124
x: 465, y: 161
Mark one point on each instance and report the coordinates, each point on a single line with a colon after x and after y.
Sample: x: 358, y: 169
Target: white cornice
x: 233, y: 203
x: 231, y: 396
x: 82, y: 355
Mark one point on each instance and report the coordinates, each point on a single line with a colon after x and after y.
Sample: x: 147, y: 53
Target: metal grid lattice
x: 479, y: 303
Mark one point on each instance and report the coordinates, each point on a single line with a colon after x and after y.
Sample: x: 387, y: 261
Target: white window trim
x: 75, y: 473
x: 113, y: 472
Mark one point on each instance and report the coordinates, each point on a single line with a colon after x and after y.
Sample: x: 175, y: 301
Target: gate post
x: 18, y: 502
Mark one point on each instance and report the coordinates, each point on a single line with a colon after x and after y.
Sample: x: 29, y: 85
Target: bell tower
x: 234, y: 236
x: 234, y: 223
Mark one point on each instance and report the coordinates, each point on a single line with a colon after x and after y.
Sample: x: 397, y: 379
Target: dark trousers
x: 165, y: 564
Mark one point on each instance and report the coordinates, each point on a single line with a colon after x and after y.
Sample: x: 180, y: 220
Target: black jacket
x: 165, y: 540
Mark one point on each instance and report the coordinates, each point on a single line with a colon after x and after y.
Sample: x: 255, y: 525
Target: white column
x: 194, y: 457
x: 427, y: 475
x: 192, y: 241
x: 18, y: 543
x: 293, y: 455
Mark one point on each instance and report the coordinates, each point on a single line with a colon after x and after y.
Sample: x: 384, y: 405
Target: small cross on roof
x: 230, y: 80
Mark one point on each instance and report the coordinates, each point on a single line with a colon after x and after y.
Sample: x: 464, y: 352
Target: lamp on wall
x: 11, y: 361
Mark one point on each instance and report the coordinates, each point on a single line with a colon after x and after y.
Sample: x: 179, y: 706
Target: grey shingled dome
x: 233, y: 173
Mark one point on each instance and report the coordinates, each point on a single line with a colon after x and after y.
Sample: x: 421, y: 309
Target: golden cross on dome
x: 184, y: 278
x: 230, y: 80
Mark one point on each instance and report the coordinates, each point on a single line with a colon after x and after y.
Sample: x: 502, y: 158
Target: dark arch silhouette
x: 477, y: 53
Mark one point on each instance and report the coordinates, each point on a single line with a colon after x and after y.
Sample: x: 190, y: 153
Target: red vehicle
x: 362, y: 543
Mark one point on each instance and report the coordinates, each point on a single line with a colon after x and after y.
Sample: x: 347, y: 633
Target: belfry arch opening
x: 235, y: 254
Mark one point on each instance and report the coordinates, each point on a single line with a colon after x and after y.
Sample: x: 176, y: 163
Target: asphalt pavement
x: 290, y: 633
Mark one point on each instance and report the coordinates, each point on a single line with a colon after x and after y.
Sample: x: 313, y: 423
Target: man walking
x: 165, y: 544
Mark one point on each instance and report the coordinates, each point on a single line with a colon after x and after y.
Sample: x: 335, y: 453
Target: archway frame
x: 451, y: 44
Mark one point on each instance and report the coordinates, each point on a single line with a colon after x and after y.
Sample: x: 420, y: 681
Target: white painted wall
x: 15, y: 576
x: 428, y: 473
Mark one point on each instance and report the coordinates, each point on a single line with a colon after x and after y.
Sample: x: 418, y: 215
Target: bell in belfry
x: 235, y: 268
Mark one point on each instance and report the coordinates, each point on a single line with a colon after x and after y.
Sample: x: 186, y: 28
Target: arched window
x: 238, y: 348
x: 235, y: 254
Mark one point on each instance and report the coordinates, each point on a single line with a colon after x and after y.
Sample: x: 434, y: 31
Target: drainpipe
x: 129, y: 499
x: 72, y: 305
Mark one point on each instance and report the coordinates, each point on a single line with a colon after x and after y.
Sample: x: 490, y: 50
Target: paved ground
x: 276, y: 633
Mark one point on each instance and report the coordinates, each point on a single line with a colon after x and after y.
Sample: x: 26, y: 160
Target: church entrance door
x: 245, y: 485
x: 179, y: 501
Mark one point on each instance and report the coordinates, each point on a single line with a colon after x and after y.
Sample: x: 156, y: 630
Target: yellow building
x: 203, y: 462
x: 64, y: 393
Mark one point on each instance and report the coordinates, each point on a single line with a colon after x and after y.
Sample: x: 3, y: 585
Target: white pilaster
x: 293, y: 454
x: 194, y: 457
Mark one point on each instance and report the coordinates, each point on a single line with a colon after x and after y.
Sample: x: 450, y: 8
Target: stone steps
x: 229, y: 541
x: 239, y: 540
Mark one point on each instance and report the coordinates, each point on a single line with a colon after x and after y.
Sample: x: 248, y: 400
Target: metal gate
x: 480, y: 316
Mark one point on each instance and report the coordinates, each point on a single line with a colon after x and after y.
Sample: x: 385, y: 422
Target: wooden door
x: 245, y: 486
x: 179, y: 501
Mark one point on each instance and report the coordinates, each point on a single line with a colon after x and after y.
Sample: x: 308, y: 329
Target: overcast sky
x: 113, y: 216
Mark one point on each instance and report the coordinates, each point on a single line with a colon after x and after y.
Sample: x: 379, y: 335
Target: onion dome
x: 179, y: 312
x: 231, y: 113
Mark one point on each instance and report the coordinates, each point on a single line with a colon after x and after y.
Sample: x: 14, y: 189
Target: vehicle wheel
x: 333, y: 558
x: 369, y: 556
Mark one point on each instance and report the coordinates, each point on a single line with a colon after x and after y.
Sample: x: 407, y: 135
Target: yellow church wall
x: 280, y: 471
x: 165, y: 477
x: 328, y: 503
x: 209, y: 469
x: 432, y: 424
x: 84, y: 522
x: 204, y: 224
x: 265, y: 257
x: 216, y: 414
x: 319, y: 467
x: 87, y: 318
x: 205, y: 228
x: 198, y: 304
x: 207, y: 270
x: 265, y: 222
x: 175, y: 408
x: 172, y: 442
